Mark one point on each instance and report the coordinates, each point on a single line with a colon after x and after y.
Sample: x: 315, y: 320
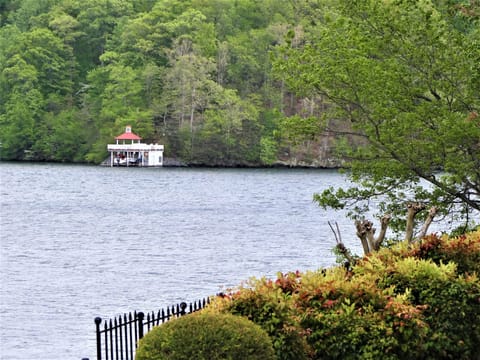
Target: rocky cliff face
x: 316, y: 154
x: 321, y: 151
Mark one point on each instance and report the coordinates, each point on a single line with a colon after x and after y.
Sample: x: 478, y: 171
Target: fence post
x: 122, y: 331
x: 183, y: 307
x: 140, y: 317
x: 98, y: 321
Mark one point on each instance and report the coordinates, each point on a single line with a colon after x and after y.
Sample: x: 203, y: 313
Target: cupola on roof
x: 128, y: 135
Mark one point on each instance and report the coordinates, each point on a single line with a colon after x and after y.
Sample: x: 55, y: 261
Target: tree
x: 25, y: 12
x: 97, y: 20
x: 406, y: 78
x: 188, y: 89
x: 18, y: 124
x: 35, y: 81
x: 231, y: 133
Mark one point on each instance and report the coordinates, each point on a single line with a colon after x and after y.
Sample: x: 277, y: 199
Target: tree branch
x: 381, y: 236
x: 366, y: 233
x: 431, y: 214
x: 340, y: 246
x: 363, y: 229
x: 412, y: 210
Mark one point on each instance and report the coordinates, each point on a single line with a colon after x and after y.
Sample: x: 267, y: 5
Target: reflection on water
x: 84, y: 241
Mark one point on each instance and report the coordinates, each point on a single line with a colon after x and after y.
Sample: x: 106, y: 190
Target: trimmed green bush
x: 206, y: 336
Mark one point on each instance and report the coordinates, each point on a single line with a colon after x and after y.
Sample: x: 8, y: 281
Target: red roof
x: 128, y: 136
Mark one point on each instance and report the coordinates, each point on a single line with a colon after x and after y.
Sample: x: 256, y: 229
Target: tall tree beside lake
x: 406, y: 76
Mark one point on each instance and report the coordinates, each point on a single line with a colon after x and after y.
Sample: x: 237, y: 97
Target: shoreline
x: 173, y: 163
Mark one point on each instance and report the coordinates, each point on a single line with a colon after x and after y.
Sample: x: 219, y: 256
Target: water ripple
x: 83, y: 241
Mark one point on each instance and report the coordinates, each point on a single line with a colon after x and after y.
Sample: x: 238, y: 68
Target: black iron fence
x: 117, y: 338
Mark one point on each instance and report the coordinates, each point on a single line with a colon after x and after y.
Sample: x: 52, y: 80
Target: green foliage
x: 450, y: 305
x: 269, y: 304
x: 419, y: 301
x: 206, y: 337
x: 463, y: 250
x: 220, y: 138
x: 193, y: 75
x: 297, y: 129
x: 268, y: 152
x: 352, y: 318
x: 406, y: 78
x: 404, y: 74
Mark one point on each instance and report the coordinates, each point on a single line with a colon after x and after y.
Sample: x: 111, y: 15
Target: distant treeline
x: 194, y: 75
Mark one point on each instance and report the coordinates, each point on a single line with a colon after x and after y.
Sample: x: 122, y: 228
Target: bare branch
x: 370, y: 235
x: 337, y: 240
x: 362, y: 234
x: 431, y: 214
x: 381, y: 236
x: 340, y: 246
x: 412, y: 210
x: 338, y: 232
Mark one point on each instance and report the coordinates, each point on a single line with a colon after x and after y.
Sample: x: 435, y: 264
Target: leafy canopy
x: 406, y: 75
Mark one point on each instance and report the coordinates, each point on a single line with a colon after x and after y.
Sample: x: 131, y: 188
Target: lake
x: 84, y: 241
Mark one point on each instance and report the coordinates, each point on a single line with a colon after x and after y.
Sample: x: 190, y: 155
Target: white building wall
x: 155, y: 158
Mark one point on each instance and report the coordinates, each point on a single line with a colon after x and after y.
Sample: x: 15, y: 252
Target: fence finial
x: 98, y: 321
x: 183, y: 307
x: 118, y: 333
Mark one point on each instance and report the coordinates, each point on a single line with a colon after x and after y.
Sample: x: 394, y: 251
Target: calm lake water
x: 84, y: 241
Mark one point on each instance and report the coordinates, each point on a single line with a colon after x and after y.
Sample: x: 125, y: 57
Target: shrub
x: 451, y: 305
x: 349, y: 317
x: 206, y: 336
x: 418, y: 301
x: 463, y: 250
x: 269, y: 304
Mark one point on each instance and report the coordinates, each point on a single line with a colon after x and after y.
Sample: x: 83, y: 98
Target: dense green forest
x: 194, y: 75
x: 212, y: 80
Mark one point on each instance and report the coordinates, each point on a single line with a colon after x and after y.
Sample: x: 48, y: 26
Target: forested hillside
x: 194, y: 75
x: 216, y: 81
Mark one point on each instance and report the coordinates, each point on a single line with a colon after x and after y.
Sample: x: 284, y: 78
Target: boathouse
x: 129, y: 151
